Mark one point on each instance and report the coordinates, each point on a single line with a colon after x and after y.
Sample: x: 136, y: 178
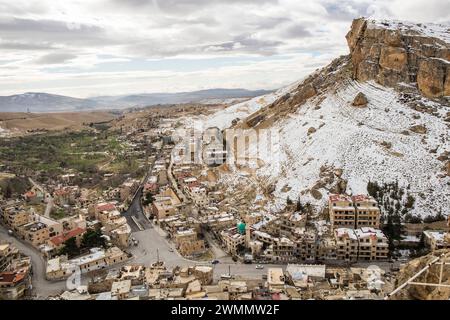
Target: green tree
x: 288, y: 201
x: 148, y: 199
x: 93, y: 239
x: 70, y: 248
x: 299, y: 205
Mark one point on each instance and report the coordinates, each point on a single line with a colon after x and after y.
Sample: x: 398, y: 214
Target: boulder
x: 421, y: 129
x: 316, y: 194
x: 360, y: 100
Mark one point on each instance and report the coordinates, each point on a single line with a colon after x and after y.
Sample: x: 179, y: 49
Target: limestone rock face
x: 431, y: 78
x: 360, y: 100
x: 394, y: 54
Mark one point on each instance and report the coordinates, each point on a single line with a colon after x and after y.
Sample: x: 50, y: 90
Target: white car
x: 258, y: 266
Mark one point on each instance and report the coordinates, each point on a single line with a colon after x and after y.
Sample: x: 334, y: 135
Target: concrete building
x: 233, y: 240
x: 437, y: 240
x: 188, y: 244
x: 346, y: 244
x: 373, y: 244
x: 361, y: 244
x: 275, y: 279
x: 367, y: 211
x: 61, y: 268
x: 342, y: 212
x: 355, y: 212
x: 36, y: 233
x: 15, y: 217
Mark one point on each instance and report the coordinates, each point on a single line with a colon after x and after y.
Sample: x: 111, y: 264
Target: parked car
x: 10, y: 232
x: 225, y: 276
x: 215, y: 261
x: 258, y: 266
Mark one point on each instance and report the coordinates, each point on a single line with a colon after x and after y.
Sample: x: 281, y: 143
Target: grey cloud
x: 297, y: 31
x: 181, y: 6
x: 55, y: 58
x: 53, y: 31
x: 16, y: 45
x: 246, y: 44
x: 346, y: 10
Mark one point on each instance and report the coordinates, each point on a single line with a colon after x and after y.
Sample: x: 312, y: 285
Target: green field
x: 91, y: 154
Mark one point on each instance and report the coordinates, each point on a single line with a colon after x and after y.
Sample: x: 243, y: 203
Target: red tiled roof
x: 58, y: 240
x: 193, y: 184
x: 360, y: 197
x: 30, y: 194
x: 11, y: 277
x: 106, y: 207
x: 339, y: 197
x: 61, y: 192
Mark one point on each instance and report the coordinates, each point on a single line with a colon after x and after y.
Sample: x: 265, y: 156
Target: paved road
x: 135, y: 212
x: 47, y: 196
x: 152, y: 242
x: 41, y: 286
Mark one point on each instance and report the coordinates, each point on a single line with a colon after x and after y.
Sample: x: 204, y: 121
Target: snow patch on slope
x: 350, y: 138
x: 224, y: 118
x: 434, y: 30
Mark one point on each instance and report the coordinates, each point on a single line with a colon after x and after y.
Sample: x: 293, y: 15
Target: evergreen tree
x: 299, y: 206
x: 93, y: 239
x: 70, y: 248
x: 288, y: 201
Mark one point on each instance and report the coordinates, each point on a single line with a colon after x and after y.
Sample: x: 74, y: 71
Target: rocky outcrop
x: 360, y: 100
x: 394, y: 54
x: 418, y: 129
x: 430, y: 276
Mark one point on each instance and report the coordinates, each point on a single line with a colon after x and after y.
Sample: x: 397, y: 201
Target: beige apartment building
x: 192, y: 248
x: 367, y: 211
x: 373, y: 244
x: 346, y: 244
x: 36, y: 233
x: 342, y: 212
x: 188, y: 244
x: 361, y: 244
x: 353, y: 212
x: 232, y: 239
x: 15, y: 218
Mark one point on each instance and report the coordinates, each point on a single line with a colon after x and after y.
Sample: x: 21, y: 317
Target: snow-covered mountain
x: 327, y: 144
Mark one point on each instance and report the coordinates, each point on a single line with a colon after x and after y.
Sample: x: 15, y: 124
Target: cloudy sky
x: 107, y: 47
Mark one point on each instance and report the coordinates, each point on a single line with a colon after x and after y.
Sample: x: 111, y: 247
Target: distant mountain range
x: 45, y: 102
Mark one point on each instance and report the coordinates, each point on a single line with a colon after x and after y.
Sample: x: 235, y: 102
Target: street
x: 41, y: 286
x: 136, y: 213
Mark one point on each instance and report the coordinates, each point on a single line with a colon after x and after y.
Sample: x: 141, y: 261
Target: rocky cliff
x: 402, y: 55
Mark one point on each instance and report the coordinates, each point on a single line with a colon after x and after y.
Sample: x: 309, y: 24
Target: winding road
x: 42, y: 288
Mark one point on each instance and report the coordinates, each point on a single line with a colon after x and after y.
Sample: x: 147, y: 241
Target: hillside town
x: 218, y: 243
